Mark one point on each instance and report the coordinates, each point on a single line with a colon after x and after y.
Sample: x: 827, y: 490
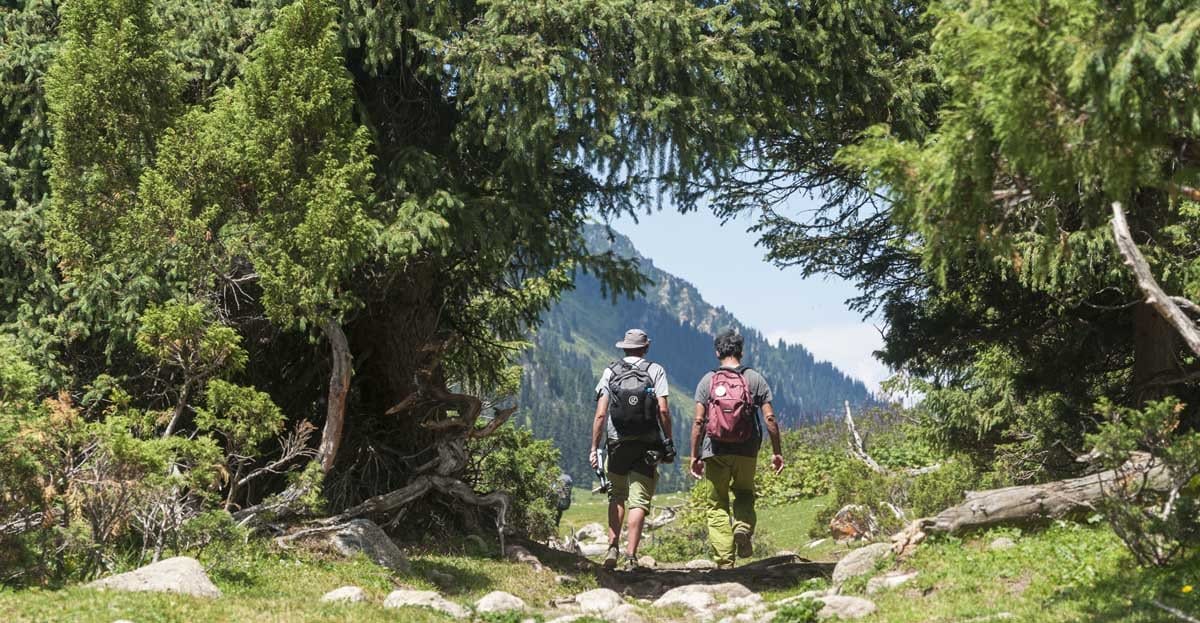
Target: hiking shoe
x: 728, y: 565
x: 629, y: 563
x: 610, y: 559
x: 745, y: 548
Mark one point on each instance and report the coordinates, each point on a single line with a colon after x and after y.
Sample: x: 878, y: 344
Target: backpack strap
x: 644, y: 365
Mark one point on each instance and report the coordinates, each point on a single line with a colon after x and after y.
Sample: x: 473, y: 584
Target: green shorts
x: 634, y: 488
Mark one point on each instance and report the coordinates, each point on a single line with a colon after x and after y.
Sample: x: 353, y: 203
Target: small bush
x: 802, y: 611
x: 1156, y: 527
x: 513, y: 461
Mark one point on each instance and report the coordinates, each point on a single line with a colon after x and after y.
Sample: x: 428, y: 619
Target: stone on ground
x: 499, y: 601
x: 702, y: 597
x: 599, y: 600
x: 361, y: 535
x: 701, y: 563
x: 565, y: 579
x: 424, y: 599
x: 346, y: 594
x: 593, y: 549
x: 1002, y: 543
x: 845, y: 607
x: 591, y: 533
x: 860, y: 561
x: 624, y: 613
x: 181, y: 575
x: 888, y: 581
x: 648, y: 562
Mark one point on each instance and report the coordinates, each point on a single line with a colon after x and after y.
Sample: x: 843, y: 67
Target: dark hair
x: 636, y: 352
x: 729, y: 344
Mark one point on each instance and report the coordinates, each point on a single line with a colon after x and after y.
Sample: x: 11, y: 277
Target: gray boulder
x: 345, y: 594
x: 499, y: 601
x: 700, y: 564
x: 860, y: 561
x: 624, y: 613
x: 889, y: 581
x: 845, y: 607
x: 592, y: 532
x: 361, y: 535
x: 402, y: 598
x: 702, y: 597
x: 593, y: 549
x: 599, y: 600
x: 181, y: 575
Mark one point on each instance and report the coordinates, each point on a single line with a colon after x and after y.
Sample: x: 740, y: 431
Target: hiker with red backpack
x: 633, y: 419
x: 726, y: 436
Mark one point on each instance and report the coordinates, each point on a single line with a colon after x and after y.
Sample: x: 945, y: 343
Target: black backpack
x: 632, y: 405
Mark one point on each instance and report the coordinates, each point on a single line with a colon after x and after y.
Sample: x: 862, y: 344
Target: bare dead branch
x: 1155, y: 296
x: 856, y: 444
x: 295, y: 445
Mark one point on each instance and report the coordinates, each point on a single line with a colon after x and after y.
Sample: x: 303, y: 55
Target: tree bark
x: 339, y: 387
x: 1155, y: 344
x: 1159, y: 323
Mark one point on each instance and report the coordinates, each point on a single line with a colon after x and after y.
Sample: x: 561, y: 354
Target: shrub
x: 802, y: 611
x: 513, y: 461
x: 1156, y: 527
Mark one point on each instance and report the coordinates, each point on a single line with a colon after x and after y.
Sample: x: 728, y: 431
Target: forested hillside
x: 576, y: 340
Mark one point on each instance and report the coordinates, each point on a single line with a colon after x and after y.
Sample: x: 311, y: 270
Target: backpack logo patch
x: 720, y: 390
x: 633, y: 400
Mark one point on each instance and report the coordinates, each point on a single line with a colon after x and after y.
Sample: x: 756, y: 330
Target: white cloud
x: 847, y: 346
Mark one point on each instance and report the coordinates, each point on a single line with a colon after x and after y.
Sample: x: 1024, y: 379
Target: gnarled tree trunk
x: 339, y: 387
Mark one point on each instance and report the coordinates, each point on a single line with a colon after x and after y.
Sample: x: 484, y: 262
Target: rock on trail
x: 499, y: 601
x: 424, y: 599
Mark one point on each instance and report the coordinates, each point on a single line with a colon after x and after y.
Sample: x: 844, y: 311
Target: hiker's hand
x: 697, y: 468
x: 777, y: 462
x: 594, y: 459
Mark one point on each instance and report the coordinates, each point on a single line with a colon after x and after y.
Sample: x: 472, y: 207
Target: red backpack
x: 730, y: 407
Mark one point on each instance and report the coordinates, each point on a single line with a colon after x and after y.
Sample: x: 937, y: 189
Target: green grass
x: 1064, y: 573
x: 1068, y: 572
x: 259, y: 584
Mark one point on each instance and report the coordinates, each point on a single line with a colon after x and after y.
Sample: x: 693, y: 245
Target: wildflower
x: 1187, y: 588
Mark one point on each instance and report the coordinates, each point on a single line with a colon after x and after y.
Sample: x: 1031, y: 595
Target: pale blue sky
x: 730, y: 270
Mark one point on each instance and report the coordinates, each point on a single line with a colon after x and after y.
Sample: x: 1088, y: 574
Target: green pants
x: 729, y: 473
x: 635, y: 489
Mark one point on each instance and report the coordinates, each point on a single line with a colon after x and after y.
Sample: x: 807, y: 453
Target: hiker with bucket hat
x: 633, y: 419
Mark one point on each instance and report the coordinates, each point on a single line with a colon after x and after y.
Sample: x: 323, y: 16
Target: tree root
x: 419, y: 487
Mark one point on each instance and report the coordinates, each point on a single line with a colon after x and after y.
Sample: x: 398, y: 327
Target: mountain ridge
x: 576, y: 341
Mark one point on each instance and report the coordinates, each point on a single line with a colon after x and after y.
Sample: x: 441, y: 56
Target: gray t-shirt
x: 762, y: 395
x: 657, y: 373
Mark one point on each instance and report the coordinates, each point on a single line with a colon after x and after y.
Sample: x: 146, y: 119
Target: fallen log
x: 1036, y: 502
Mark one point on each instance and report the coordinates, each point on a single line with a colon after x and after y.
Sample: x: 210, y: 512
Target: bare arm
x: 598, y: 428
x: 664, y: 418
x: 768, y: 412
x: 697, y: 430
